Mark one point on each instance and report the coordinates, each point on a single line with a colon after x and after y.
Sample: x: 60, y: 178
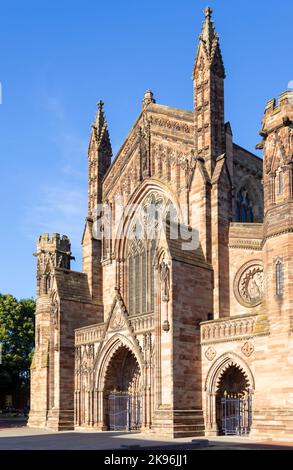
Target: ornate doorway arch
x: 122, y: 392
x: 229, y: 388
x: 120, y: 388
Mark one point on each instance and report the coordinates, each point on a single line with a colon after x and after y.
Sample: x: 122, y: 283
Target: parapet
x: 278, y: 114
x: 55, y: 242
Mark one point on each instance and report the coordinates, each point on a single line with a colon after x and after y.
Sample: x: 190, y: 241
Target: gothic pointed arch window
x: 279, y: 278
x: 141, y: 277
x: 152, y: 274
x: 141, y: 254
x: 150, y: 218
x: 244, y: 207
x: 137, y: 263
x: 143, y: 282
x: 131, y: 283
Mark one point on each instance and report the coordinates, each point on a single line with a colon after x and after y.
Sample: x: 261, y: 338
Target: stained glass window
x: 144, y: 282
x: 131, y: 285
x: 244, y: 207
x: 137, y: 284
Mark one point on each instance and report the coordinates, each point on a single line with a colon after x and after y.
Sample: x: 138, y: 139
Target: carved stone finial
x: 209, y: 47
x: 166, y: 326
x: 100, y: 122
x: 100, y: 105
x: 208, y: 12
x: 148, y: 98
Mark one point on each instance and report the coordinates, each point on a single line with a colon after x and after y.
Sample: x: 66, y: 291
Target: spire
x: 100, y: 125
x: 208, y: 77
x: 208, y: 34
x: 99, y: 157
x: 209, y: 44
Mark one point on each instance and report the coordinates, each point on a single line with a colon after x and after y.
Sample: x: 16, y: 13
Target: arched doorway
x: 233, y: 403
x: 122, y: 392
x: 229, y: 388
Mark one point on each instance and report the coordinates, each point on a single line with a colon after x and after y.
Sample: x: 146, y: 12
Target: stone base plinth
x: 91, y: 427
x: 60, y: 420
x: 178, y: 423
x: 55, y: 420
x: 37, y: 419
x: 274, y: 425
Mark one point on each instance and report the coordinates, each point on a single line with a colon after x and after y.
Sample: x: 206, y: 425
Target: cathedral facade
x: 181, y: 321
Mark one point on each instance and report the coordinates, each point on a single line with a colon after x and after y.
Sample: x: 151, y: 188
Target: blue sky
x: 58, y: 58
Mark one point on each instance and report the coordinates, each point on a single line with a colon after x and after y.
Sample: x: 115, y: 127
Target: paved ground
x: 23, y: 438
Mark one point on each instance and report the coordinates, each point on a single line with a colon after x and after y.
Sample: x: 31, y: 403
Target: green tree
x: 17, y: 339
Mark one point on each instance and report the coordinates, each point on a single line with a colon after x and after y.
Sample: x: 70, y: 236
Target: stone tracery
x: 249, y: 284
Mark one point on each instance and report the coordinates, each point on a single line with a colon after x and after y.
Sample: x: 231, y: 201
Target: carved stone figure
x: 54, y: 308
x: 117, y: 321
x: 165, y: 280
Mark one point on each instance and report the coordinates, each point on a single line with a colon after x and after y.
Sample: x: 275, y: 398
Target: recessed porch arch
x: 212, y: 385
x: 121, y: 349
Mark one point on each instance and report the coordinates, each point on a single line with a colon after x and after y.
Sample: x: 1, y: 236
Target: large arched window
x: 141, y: 278
x: 244, y: 207
x: 152, y: 275
x: 143, y: 282
x: 142, y: 243
x: 131, y: 284
x: 137, y: 274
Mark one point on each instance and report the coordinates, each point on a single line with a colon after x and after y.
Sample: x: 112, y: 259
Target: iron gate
x: 235, y: 415
x: 125, y: 411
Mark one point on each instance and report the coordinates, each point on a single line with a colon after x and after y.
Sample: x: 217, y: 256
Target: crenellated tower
x: 275, y: 412
x: 54, y: 252
x: 277, y: 144
x: 277, y: 133
x: 53, y: 257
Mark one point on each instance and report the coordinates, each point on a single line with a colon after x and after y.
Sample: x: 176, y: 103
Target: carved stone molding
x: 147, y: 341
x: 247, y: 349
x: 210, y: 354
x: 166, y: 326
x: 54, y: 308
x: 144, y: 136
x: 118, y: 320
x: 172, y: 125
x: 249, y: 284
